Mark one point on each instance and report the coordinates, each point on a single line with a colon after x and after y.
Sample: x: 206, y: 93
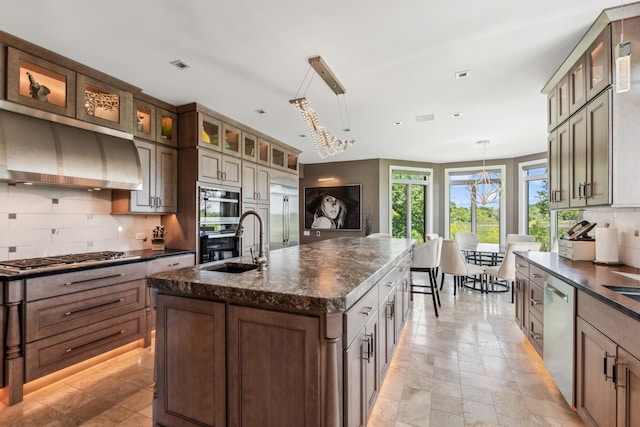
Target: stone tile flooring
x: 472, y: 366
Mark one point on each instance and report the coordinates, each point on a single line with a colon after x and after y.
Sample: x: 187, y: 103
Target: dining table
x: 484, y: 254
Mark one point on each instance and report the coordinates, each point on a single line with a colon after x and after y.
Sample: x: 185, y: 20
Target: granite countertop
x: 130, y: 257
x: 323, y: 277
x: 591, y: 278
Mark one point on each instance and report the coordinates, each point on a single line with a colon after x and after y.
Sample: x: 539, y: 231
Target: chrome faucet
x: 261, y: 259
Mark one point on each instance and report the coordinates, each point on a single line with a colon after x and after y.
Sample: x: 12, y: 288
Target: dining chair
x: 512, y: 238
x: 380, y: 236
x: 467, y: 240
x: 452, y: 262
x: 507, y: 269
x: 426, y: 259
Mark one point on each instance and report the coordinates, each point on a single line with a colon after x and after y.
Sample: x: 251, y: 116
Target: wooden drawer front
x: 67, y: 283
x: 359, y: 314
x: 536, y: 300
x: 170, y: 263
x: 60, y: 314
x: 388, y: 283
x: 535, y: 333
x: 536, y: 275
x: 522, y: 267
x: 60, y: 351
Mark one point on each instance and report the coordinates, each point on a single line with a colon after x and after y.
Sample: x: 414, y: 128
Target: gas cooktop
x: 60, y: 261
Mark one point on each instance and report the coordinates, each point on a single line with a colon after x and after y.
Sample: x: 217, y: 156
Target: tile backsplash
x: 38, y: 221
x: 627, y: 222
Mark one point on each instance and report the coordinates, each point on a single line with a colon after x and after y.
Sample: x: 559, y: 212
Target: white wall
x: 79, y: 222
x: 627, y: 221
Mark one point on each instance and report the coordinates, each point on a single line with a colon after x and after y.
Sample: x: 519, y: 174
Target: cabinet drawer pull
x: 70, y: 349
x: 173, y: 265
x: 536, y: 275
x: 535, y: 302
x: 69, y: 313
x: 368, y: 311
x: 536, y: 336
x: 391, y: 309
x: 390, y: 284
x: 77, y: 282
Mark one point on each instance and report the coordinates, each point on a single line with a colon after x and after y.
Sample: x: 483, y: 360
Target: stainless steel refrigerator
x: 283, y: 212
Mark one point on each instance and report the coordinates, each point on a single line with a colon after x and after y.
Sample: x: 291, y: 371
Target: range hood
x: 39, y: 151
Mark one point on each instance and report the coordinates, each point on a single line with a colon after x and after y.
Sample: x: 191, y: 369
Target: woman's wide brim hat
x: 340, y: 193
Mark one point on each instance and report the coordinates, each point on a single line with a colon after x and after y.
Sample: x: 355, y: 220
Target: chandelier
x: 325, y: 143
x: 484, y: 187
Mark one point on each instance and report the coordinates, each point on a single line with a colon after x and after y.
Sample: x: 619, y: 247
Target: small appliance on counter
x: 157, y: 242
x: 576, y: 245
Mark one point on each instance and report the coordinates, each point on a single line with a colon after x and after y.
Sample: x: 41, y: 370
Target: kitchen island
x: 306, y: 342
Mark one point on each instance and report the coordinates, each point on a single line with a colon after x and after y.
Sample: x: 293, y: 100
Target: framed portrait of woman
x: 333, y: 208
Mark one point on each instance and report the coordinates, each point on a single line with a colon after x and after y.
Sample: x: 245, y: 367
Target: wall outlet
x: 140, y: 236
x: 306, y: 233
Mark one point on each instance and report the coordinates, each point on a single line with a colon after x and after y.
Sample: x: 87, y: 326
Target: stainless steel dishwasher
x: 559, y: 334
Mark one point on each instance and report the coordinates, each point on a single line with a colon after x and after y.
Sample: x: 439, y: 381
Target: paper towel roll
x: 606, y: 245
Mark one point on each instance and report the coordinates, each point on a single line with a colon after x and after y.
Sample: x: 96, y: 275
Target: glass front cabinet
x: 100, y: 103
x: 40, y: 84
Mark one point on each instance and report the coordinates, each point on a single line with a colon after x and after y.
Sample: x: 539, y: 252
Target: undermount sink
x: 628, y: 291
x: 232, y: 267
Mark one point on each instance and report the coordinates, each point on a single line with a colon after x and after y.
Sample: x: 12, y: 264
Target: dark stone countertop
x: 130, y: 257
x: 591, y: 278
x: 323, y: 277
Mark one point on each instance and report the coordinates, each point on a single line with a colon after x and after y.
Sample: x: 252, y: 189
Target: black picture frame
x: 351, y: 198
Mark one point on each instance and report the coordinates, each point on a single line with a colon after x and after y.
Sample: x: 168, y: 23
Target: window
x: 463, y: 215
x: 411, y: 202
x: 535, y: 218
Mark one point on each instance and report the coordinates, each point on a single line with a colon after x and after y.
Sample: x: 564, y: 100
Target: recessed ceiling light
x: 179, y: 64
x: 302, y: 135
x: 426, y: 118
x: 397, y: 123
x: 346, y: 130
x: 462, y: 74
x: 261, y: 111
x: 456, y: 115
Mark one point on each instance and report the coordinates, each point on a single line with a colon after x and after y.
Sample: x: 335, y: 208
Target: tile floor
x: 470, y: 367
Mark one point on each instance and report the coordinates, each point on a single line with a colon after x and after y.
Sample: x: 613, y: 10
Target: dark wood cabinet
x: 273, y: 368
x: 190, y: 362
x: 598, y: 64
x: 559, y: 167
x: 71, y: 317
x: 103, y: 104
x: 562, y: 98
x: 595, y: 389
x: 40, y: 84
x: 590, y: 145
x: 159, y: 167
x: 607, y: 365
x: 577, y: 86
x: 628, y: 389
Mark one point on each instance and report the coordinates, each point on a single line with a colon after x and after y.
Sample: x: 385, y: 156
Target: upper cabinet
x: 577, y: 86
x: 103, y: 104
x: 285, y: 158
x: 166, y: 127
x: 210, y: 132
x: 592, y: 149
x: 145, y: 120
x: 598, y: 63
x: 40, y: 84
x: 231, y: 142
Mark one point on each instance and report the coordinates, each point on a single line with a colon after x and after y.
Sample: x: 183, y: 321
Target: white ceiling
x: 397, y: 60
